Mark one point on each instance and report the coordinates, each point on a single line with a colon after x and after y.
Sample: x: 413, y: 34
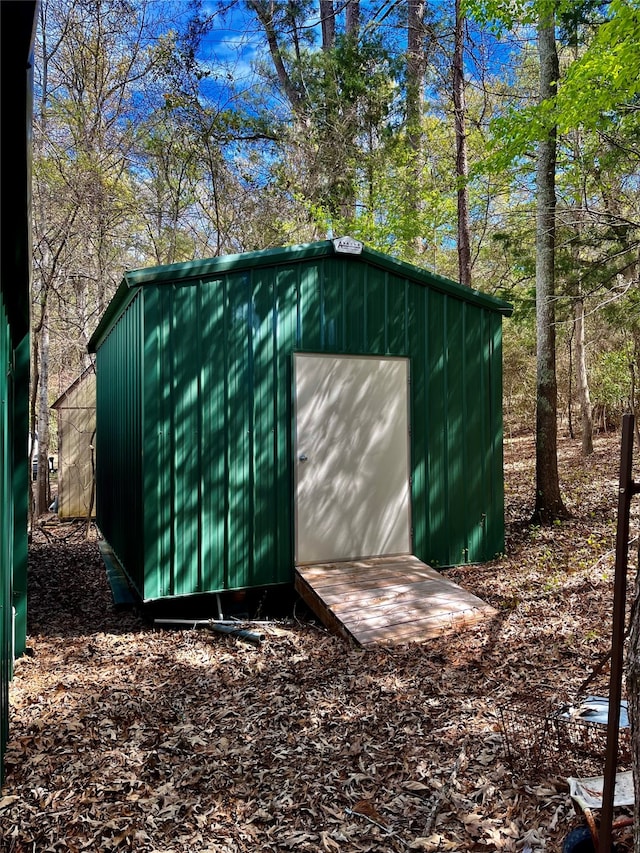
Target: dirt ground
x: 126, y: 738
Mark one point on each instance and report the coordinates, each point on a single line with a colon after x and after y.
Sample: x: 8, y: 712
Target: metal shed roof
x: 198, y: 269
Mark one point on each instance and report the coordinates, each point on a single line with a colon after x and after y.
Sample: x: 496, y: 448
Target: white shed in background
x: 76, y: 409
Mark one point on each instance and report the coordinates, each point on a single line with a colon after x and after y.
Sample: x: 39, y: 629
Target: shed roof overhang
x: 209, y: 267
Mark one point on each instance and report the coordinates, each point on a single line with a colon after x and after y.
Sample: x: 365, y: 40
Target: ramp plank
x: 387, y: 600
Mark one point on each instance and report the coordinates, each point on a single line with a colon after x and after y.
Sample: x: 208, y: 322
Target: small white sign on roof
x: 348, y: 246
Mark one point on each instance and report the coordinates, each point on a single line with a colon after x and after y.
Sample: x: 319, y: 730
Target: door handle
x: 303, y: 457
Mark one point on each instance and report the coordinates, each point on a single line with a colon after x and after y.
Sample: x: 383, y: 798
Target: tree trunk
x: 352, y: 25
x: 328, y: 24
x: 416, y: 68
x: 264, y: 14
x: 549, y: 505
x: 462, y: 164
x: 570, y: 389
x: 582, y: 380
x: 582, y: 377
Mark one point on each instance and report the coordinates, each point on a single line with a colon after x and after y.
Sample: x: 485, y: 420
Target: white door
x: 351, y: 457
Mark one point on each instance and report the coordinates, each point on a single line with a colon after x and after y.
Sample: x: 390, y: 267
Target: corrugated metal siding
x: 13, y: 511
x: 217, y: 419
x: 19, y: 417
x: 6, y: 534
x: 208, y: 432
x: 119, y: 494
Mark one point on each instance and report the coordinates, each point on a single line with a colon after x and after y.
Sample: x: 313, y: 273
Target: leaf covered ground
x: 126, y: 738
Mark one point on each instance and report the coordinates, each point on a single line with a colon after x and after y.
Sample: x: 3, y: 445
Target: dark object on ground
x: 579, y: 841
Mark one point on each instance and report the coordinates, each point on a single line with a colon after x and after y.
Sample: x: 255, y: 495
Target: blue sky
x: 236, y: 41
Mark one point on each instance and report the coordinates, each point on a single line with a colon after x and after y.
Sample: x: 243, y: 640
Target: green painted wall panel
x: 14, y: 384
x: 240, y: 434
x: 264, y: 419
x: 153, y: 448
x: 184, y: 412
x: 437, y: 436
x: 214, y: 476
x: 333, y: 309
x: 164, y: 468
x: 495, y: 519
x: 354, y: 277
x: 310, y: 326
x: 374, y: 312
x: 287, y: 339
x: 119, y: 484
x: 20, y: 488
x: 417, y: 345
x: 6, y: 534
x: 200, y: 373
x: 475, y: 432
x: 455, y: 472
x: 396, y: 314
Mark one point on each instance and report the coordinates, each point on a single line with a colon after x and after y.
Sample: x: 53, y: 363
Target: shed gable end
x: 206, y: 426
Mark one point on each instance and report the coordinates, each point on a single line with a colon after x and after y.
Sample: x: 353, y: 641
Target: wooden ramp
x: 387, y: 600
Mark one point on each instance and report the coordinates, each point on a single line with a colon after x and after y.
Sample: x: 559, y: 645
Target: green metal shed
x: 251, y: 412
